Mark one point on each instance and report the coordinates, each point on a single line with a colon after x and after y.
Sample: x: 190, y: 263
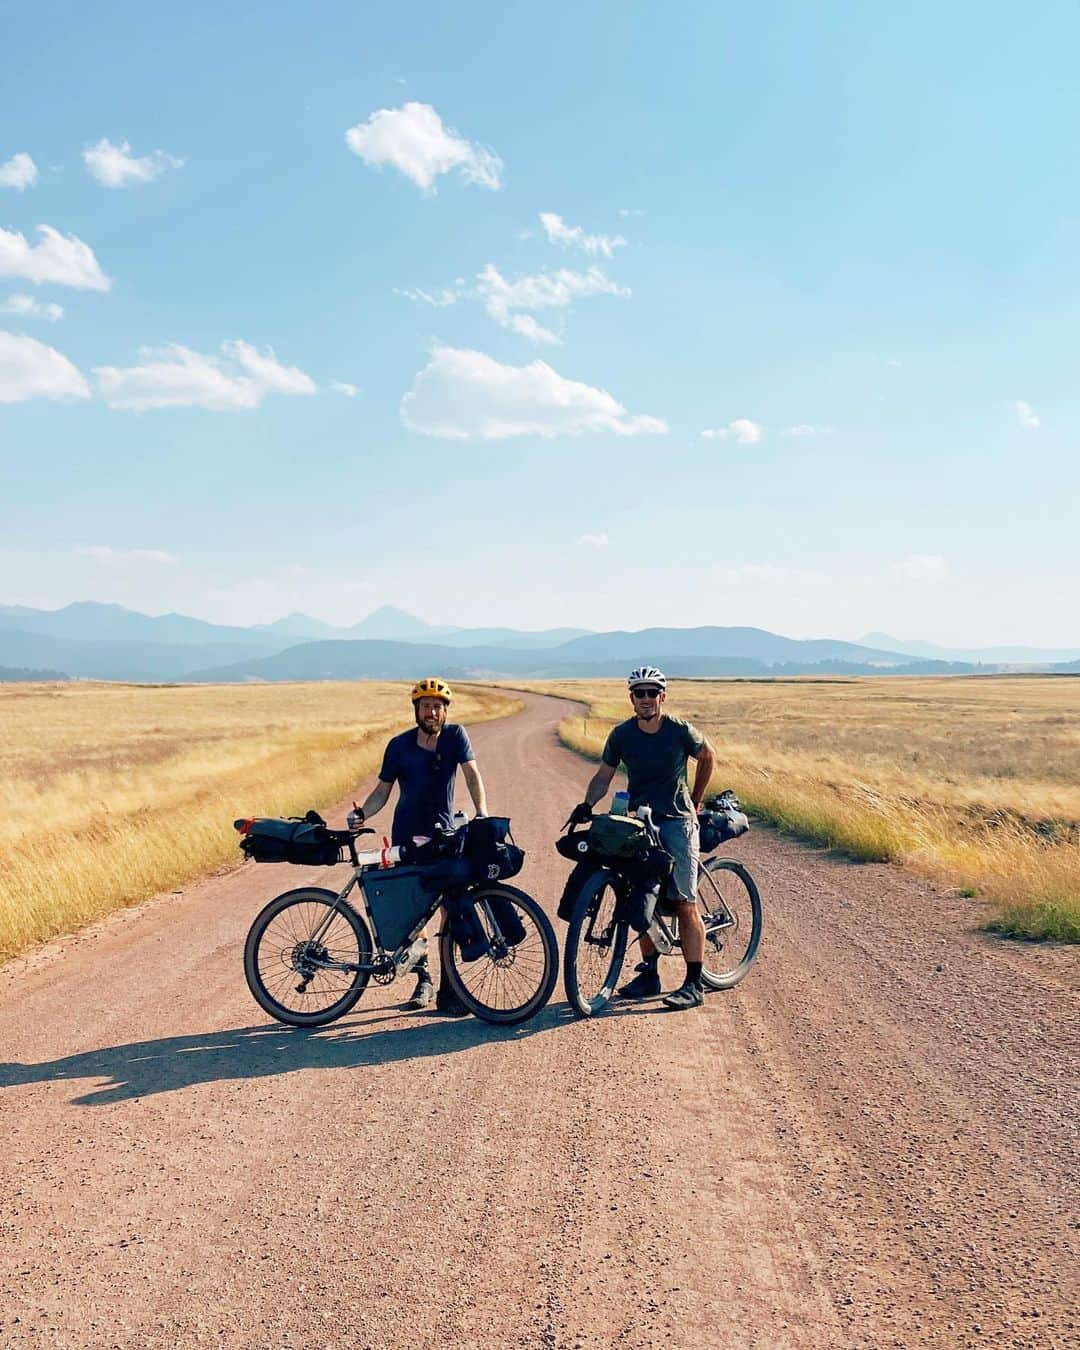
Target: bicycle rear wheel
x: 511, y: 982
x: 730, y: 908
x: 595, y: 946
x: 283, y: 959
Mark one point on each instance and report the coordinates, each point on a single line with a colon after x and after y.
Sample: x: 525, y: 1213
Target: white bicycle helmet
x: 646, y: 675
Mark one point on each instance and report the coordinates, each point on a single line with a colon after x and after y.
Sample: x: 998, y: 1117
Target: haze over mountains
x: 97, y: 641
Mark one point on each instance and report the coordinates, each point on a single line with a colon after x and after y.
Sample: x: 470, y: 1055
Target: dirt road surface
x: 871, y: 1142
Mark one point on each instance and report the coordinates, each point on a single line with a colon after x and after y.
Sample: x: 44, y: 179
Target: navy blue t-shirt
x: 425, y: 780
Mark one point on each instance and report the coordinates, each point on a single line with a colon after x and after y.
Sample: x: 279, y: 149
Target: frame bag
x: 399, y: 900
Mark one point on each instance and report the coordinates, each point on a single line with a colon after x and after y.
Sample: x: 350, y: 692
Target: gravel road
x: 872, y: 1142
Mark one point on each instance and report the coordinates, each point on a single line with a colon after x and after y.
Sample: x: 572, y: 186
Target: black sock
x: 693, y: 972
x: 652, y: 961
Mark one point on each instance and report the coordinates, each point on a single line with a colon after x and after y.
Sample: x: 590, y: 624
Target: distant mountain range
x: 95, y: 641
x: 1009, y: 656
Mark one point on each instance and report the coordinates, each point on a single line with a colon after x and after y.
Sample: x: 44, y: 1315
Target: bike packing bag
x: 505, y: 914
x: 617, y: 837
x: 443, y: 845
x: 646, y: 880
x: 398, y: 900
x: 574, y: 882
x: 574, y: 846
x: 466, y: 928
x: 291, y: 841
x: 716, y: 827
x: 490, y: 848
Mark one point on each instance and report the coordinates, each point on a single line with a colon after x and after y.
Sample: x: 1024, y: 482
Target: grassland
x: 974, y: 782
x: 111, y: 793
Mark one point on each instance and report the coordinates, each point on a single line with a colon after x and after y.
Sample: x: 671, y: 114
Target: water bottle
x: 620, y: 804
x: 459, y: 820
x: 409, y: 958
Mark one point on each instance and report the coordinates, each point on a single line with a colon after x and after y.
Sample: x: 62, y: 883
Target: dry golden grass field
x: 972, y: 781
x: 111, y: 793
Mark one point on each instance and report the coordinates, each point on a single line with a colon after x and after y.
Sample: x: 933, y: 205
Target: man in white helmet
x: 655, y: 748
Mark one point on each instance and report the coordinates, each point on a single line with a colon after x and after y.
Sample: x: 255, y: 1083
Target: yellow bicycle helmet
x: 432, y: 687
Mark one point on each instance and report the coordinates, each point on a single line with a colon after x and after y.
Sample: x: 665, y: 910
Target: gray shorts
x: 680, y: 837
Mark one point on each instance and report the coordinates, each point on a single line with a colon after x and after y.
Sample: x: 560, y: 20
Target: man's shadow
x: 143, y: 1068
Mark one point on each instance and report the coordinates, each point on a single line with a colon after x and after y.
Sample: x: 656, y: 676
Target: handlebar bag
x: 271, y: 840
x: 490, y: 848
x: 617, y: 837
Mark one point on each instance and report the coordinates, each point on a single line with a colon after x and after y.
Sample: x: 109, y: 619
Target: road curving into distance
x: 870, y: 1142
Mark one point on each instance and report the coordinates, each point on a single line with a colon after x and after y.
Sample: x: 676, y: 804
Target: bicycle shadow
x: 172, y: 1063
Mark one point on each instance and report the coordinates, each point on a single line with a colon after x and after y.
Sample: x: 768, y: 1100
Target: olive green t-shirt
x: 656, y: 763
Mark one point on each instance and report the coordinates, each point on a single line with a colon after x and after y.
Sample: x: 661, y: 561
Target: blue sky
x: 840, y: 239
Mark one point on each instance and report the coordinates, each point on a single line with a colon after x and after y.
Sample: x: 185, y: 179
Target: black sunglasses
x: 647, y: 693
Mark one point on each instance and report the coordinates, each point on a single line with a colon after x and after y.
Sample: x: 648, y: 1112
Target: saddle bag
x: 306, y: 842
x: 720, y: 821
x: 490, y: 848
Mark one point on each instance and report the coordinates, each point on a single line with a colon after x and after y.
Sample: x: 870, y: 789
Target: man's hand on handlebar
x: 355, y: 819
x: 581, y: 814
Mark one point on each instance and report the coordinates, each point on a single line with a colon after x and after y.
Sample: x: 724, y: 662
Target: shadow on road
x: 144, y: 1068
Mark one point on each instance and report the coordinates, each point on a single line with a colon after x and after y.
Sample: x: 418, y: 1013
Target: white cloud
x: 30, y: 369
x: 596, y: 541
x: 176, y: 377
x: 413, y: 139
x: 20, y: 172
x: 1026, y: 416
x: 625, y: 211
x: 116, y: 167
x: 104, y: 554
x: 60, y: 259
x: 805, y: 429
x: 26, y: 307
x: 440, y: 299
x: 342, y: 387
x: 558, y: 232
x: 546, y: 290
x: 462, y: 394
x: 920, y: 567
x: 742, y: 430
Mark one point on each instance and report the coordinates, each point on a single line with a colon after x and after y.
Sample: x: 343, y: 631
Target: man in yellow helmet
x: 424, y: 764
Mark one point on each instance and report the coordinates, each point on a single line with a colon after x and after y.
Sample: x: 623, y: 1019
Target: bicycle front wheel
x: 287, y: 952
x: 512, y: 981
x: 730, y: 908
x: 595, y: 946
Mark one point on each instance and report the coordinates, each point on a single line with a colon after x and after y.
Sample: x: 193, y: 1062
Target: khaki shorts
x: 679, y: 836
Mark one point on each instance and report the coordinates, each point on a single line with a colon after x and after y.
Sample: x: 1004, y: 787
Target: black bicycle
x: 600, y: 918
x: 311, y: 952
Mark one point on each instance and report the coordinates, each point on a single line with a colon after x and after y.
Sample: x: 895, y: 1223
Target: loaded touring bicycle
x: 619, y: 887
x: 312, y: 951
